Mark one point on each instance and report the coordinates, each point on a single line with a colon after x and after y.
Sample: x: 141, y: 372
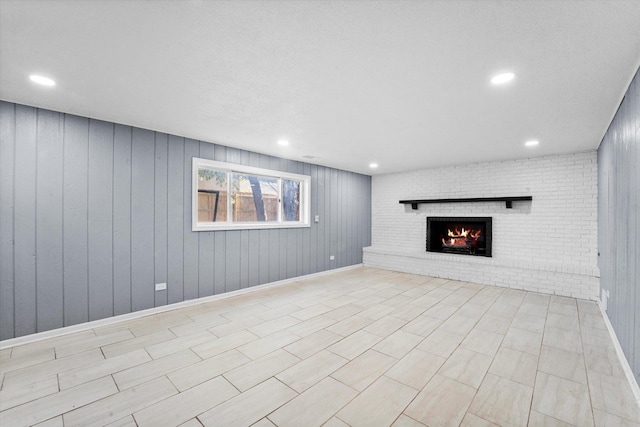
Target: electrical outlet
x: 317, y: 218
x: 331, y: 257
x: 161, y: 286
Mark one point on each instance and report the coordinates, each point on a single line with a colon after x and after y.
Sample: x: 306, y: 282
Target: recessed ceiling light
x: 373, y: 165
x: 283, y: 142
x: 502, y: 78
x: 532, y: 143
x: 41, y: 80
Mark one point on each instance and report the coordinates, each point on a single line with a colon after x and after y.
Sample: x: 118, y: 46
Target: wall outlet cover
x: 331, y: 258
x: 161, y: 286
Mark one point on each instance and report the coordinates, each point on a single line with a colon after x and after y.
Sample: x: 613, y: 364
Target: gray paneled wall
x: 93, y: 214
x: 619, y: 222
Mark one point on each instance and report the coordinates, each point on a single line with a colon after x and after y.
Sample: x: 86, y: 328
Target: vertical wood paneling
x: 75, y: 222
x: 191, y: 258
x: 49, y: 220
x: 313, y: 240
x: 245, y: 159
x: 219, y: 258
x: 335, y: 219
x: 244, y: 259
x: 323, y: 226
x: 206, y: 247
x: 7, y: 147
x: 100, y: 223
x: 102, y: 212
x: 175, y: 219
x: 236, y: 252
x: 619, y: 203
x: 233, y: 248
x: 232, y: 263
x: 122, y: 219
x: 299, y: 232
x: 254, y: 240
x: 353, y: 226
x: 24, y: 221
x: 273, y: 238
x: 142, y: 220
x: 281, y: 165
x: 305, y: 235
x: 160, y: 222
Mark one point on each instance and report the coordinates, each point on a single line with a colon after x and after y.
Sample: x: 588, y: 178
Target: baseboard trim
x: 635, y: 389
x: 39, y: 336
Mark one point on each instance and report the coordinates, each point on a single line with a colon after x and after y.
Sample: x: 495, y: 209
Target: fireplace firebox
x: 459, y: 235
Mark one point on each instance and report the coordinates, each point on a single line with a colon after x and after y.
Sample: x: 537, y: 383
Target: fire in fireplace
x: 459, y: 235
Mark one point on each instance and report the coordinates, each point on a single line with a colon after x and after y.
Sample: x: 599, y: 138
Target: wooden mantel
x: 508, y: 200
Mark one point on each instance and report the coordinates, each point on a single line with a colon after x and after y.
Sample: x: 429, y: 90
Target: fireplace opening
x: 459, y: 235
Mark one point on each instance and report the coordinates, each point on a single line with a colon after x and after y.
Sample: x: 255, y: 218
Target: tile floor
x: 362, y: 347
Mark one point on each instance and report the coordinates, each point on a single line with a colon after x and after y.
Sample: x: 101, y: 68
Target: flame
x: 465, y: 238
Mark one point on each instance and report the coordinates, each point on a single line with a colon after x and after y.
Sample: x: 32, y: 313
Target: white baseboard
x: 635, y: 389
x: 12, y: 342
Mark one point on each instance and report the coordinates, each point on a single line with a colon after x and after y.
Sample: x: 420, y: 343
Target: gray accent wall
x: 93, y: 214
x: 619, y: 223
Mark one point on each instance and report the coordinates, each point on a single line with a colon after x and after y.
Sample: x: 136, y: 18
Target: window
x: 229, y: 197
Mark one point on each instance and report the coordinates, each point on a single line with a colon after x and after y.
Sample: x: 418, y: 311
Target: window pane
x: 254, y: 198
x: 212, y: 195
x: 290, y: 200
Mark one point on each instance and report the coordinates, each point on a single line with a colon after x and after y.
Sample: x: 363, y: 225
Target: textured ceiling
x: 405, y: 84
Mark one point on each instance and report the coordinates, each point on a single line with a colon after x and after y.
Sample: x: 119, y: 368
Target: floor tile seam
x: 8, y: 375
x: 26, y: 366
x: 411, y: 418
x: 102, y: 376
x: 554, y: 418
x: 477, y: 389
x: 42, y: 345
x: 284, y: 403
x: 102, y: 348
x: 93, y: 401
x: 205, y: 327
x: 195, y: 385
x: 232, y: 384
x: 623, y: 417
x: 254, y: 360
x: 27, y: 354
x: 357, y: 393
x: 90, y: 347
x: 468, y: 411
x: 586, y: 373
x: 171, y: 370
x: 36, y: 398
x: 315, y: 351
x: 396, y: 361
x: 217, y: 354
x: 177, y: 392
x: 535, y: 380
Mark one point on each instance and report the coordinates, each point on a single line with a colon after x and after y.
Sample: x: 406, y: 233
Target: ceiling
x: 405, y: 84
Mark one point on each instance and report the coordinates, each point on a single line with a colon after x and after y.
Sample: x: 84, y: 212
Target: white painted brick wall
x: 548, y: 245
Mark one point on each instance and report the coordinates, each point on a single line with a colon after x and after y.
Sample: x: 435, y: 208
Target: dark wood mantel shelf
x: 508, y: 200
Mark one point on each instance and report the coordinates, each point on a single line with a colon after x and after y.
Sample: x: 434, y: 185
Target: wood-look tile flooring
x: 362, y: 347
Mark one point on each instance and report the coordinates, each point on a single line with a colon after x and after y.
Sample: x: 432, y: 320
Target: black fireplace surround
x: 459, y: 235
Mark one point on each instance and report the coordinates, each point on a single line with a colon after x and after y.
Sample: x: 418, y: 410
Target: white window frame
x: 230, y: 168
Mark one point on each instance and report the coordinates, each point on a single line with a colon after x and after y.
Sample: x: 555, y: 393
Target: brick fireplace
x: 528, y: 250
